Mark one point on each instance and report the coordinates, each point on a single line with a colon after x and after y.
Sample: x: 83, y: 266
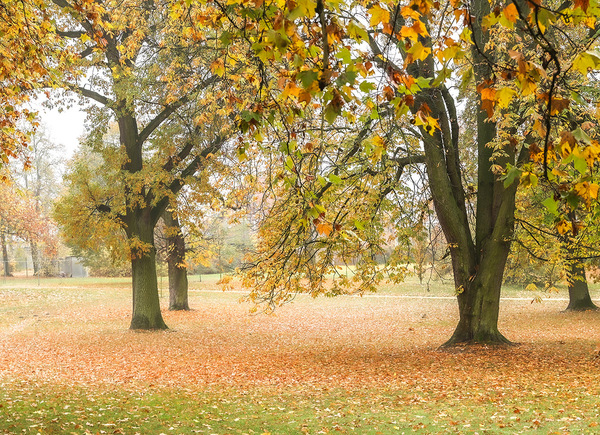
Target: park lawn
x: 68, y: 364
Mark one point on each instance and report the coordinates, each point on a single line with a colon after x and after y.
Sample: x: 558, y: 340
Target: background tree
x: 545, y: 253
x: 144, y: 66
x: 41, y: 180
x: 21, y: 218
x: 176, y: 262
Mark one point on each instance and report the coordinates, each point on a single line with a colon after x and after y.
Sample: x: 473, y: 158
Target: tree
x: 579, y: 293
x: 21, y: 217
x: 542, y: 249
x: 177, y: 269
x: 152, y: 67
x: 41, y: 180
x: 513, y: 56
x: 27, y: 41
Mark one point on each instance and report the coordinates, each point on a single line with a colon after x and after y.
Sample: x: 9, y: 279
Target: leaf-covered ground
x: 68, y: 363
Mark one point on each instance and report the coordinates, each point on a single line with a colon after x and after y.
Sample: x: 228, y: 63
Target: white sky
x: 63, y: 127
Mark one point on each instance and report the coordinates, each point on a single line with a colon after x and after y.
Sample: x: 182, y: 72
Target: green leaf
x: 331, y: 113
x: 512, y: 173
x: 573, y: 200
x: 356, y: 32
x: 444, y: 75
x: 424, y: 83
x: 295, y: 14
x: 225, y: 38
x: 580, y: 164
x: 335, y: 179
x: 466, y: 78
x: 319, y: 208
x: 582, y: 136
x: 289, y: 163
x: 366, y: 86
x: 551, y: 205
x: 345, y: 55
x: 307, y: 78
x: 576, y: 96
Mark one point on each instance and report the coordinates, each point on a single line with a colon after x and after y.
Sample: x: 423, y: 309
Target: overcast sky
x: 64, y: 127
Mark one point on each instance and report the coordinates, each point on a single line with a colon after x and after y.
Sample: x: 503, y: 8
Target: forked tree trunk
x: 146, y: 303
x: 579, y: 293
x: 178, y: 280
x: 479, y: 302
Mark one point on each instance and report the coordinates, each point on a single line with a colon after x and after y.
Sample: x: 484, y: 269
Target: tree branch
x: 105, y: 101
x: 75, y: 34
x: 170, y: 108
x: 189, y: 170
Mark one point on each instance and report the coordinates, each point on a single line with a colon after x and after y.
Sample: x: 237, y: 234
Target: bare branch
x: 75, y: 34
x: 91, y: 94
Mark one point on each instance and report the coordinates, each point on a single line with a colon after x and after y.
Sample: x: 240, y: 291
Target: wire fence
x: 61, y: 267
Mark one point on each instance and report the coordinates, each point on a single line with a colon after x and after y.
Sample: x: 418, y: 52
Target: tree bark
x: 35, y: 257
x: 178, y: 280
x: 479, y: 300
x: 146, y: 303
x: 579, y: 293
x: 5, y: 255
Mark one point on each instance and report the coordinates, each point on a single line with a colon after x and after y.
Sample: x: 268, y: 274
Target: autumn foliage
x: 68, y: 363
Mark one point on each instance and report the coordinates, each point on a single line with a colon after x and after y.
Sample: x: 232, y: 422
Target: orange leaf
x: 511, y: 13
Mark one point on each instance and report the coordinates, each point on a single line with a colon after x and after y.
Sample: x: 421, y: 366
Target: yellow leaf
x: 563, y: 227
x: 504, y: 96
x: 529, y: 179
x: 587, y: 190
x: 419, y: 52
x: 218, y: 67
x: 378, y: 16
x: 409, y: 33
x: 408, y: 12
x: 449, y: 53
x: 588, y: 60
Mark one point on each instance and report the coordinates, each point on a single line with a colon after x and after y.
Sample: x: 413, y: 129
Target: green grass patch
x: 56, y: 409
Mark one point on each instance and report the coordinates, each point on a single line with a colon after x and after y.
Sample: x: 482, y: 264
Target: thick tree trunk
x: 146, y: 303
x: 479, y: 266
x: 579, y: 293
x: 479, y: 300
x: 178, y: 280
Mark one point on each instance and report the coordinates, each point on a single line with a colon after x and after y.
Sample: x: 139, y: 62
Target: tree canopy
x: 355, y: 117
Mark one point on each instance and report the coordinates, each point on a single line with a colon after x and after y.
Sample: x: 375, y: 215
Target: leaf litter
x: 309, y: 349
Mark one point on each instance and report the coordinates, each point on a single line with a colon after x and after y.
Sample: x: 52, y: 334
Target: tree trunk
x: 479, y: 300
x: 178, y: 280
x: 5, y: 255
x: 35, y: 257
x: 146, y: 303
x: 579, y: 293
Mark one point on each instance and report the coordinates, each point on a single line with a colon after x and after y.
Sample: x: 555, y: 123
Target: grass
x: 366, y: 365
x: 263, y: 410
